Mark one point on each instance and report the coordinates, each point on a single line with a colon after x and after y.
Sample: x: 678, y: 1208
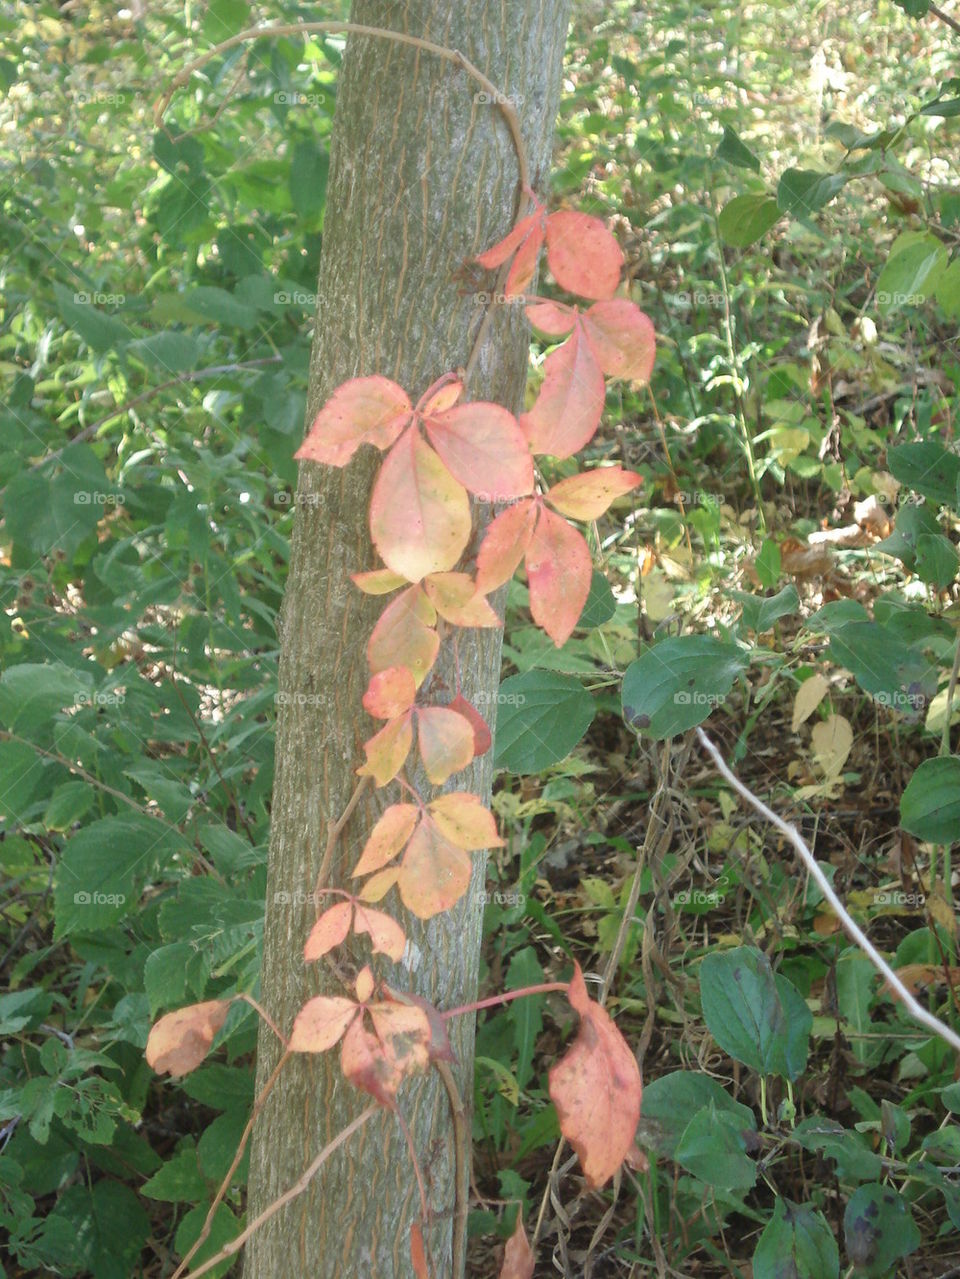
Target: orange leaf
x: 439, y: 1048
x: 445, y: 740
x: 419, y: 514
x: 320, y: 1023
x: 387, y: 750
x: 588, y: 495
x: 386, y: 935
x: 379, y: 1063
x: 482, y: 739
x: 518, y: 1259
x: 482, y: 446
x: 524, y: 241
x: 329, y: 930
x: 623, y: 339
x: 596, y: 1089
x: 559, y: 570
x: 504, y: 545
x: 583, y: 255
x: 404, y: 636
x: 364, y: 984
x: 568, y: 408
x: 391, y: 692
x: 378, y: 885
x: 179, y: 1041
x: 456, y: 598
x: 365, y: 410
x: 388, y: 836
x: 441, y: 396
x: 461, y: 818
x: 379, y: 581
x: 553, y: 318
x: 434, y: 873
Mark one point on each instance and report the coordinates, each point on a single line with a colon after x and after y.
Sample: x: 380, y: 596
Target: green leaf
x: 947, y: 291
x: 32, y: 693
x: 911, y: 273
x: 878, y: 1230
x: 746, y: 218
x: 21, y: 771
x: 883, y: 665
x: 914, y: 8
x: 744, y: 1011
x: 224, y: 18
x: 930, y: 804
x: 713, y: 1148
x: 170, y: 352
x: 670, y: 1101
x: 677, y: 683
x: 767, y: 563
x: 804, y: 191
x: 179, y: 1180
x: 68, y: 803
x: 98, y: 1231
x: 601, y: 604
x: 936, y: 560
x: 911, y: 523
x: 223, y: 1229
x: 761, y: 611
x: 929, y: 469
x: 540, y: 718
x: 854, y: 1161
x: 797, y: 1243
x: 855, y: 979
x: 98, y: 871
x: 525, y: 1015
x: 735, y: 152
x: 80, y: 311
x: 218, y: 1145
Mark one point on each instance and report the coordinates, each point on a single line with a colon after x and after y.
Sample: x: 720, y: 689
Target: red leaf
x: 588, y: 495
x: 329, y: 931
x: 386, y: 935
x: 524, y: 241
x: 439, y: 1048
x: 504, y: 545
x: 391, y: 692
x: 379, y: 1063
x: 583, y: 255
x: 462, y: 819
x: 441, y: 396
x: 388, y: 836
x: 387, y: 750
x: 434, y: 873
x: 320, y: 1023
x: 568, y: 408
x: 559, y: 570
x: 457, y: 600
x: 482, y: 739
x: 553, y: 318
x: 404, y: 636
x: 482, y: 446
x: 179, y: 1041
x: 518, y: 1259
x: 596, y: 1089
x: 419, y: 514
x: 623, y: 339
x: 445, y: 740
x: 365, y: 410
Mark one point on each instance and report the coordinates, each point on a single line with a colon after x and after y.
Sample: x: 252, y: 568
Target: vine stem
x: 297, y: 1189
x: 336, y: 829
x: 360, y: 29
x: 546, y: 988
x: 853, y: 930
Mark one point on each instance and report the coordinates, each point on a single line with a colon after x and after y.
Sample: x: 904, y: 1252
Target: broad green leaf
x: 736, y: 152
x: 525, y: 1015
x: 32, y: 693
x: 744, y: 1011
x: 21, y: 771
x: 713, y: 1148
x: 308, y: 178
x: 601, y: 604
x: 804, y: 191
x: 937, y: 560
x: 677, y: 683
x: 878, y: 1229
x: 910, y: 274
x: 68, y: 803
x: 767, y: 563
x: 670, y: 1101
x: 746, y: 218
x: 223, y: 1228
x: 540, y: 718
x: 929, y: 469
x: 761, y: 611
x: 930, y: 803
x: 854, y: 1161
x: 83, y: 1234
x: 896, y: 674
x: 797, y: 1243
x: 912, y: 522
x: 179, y: 1180
x: 855, y: 990
x: 81, y: 312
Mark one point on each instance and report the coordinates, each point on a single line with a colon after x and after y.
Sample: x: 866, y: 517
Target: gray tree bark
x: 422, y: 177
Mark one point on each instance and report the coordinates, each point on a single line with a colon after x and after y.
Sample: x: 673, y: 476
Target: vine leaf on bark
x: 331, y: 930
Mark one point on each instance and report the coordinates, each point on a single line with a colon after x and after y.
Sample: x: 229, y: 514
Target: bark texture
x: 423, y: 176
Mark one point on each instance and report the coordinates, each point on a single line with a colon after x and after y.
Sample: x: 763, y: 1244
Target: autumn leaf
x: 559, y: 570
x: 378, y: 1063
x: 329, y: 931
x: 390, y: 692
x: 365, y: 410
x: 386, y: 935
x: 434, y: 873
x: 388, y: 837
x: 583, y: 255
x: 445, y: 740
x: 321, y: 1023
x: 596, y: 1089
x: 463, y: 819
x: 179, y: 1041
x: 387, y: 750
x: 505, y: 544
x: 483, y: 447
x: 523, y: 241
x: 569, y: 405
x: 482, y: 738
x: 456, y: 598
x: 419, y: 514
x: 623, y: 339
x: 379, y: 581
x: 404, y: 635
x: 587, y: 496
x: 518, y: 1258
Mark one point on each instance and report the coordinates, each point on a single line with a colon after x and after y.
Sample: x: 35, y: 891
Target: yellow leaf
x: 809, y: 696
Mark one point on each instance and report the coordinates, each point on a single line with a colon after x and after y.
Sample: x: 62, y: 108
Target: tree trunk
x: 422, y: 177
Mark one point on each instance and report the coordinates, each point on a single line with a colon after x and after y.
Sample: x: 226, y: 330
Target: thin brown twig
x: 335, y: 831
x: 952, y: 23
